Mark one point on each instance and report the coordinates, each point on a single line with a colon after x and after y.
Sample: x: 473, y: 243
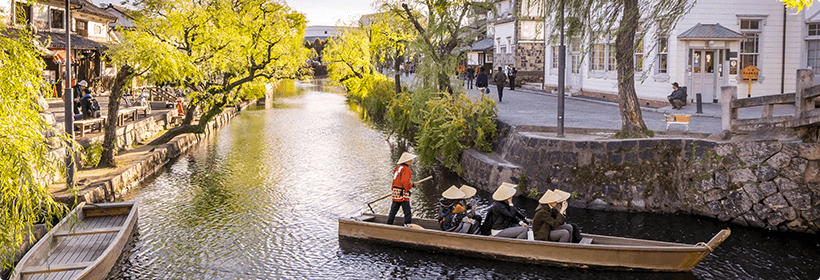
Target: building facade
x: 519, y: 38
x: 707, y: 49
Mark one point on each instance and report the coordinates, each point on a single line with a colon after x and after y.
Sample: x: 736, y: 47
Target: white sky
x: 318, y: 12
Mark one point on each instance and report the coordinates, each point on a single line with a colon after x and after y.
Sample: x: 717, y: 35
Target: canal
x: 260, y: 199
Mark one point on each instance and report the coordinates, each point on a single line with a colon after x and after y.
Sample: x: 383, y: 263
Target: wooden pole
x: 386, y: 196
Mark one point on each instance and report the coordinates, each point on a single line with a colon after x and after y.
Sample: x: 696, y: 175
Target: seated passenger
x: 450, y: 214
x: 507, y: 221
x: 549, y: 221
x: 470, y: 205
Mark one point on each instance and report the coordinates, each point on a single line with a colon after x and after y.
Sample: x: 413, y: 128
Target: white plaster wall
x: 502, y: 32
x: 102, y: 35
x: 5, y: 12
x: 504, y: 9
x: 532, y: 31
x: 472, y: 58
x: 724, y: 12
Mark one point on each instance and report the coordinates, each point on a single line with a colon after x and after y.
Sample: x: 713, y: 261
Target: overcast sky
x: 318, y: 12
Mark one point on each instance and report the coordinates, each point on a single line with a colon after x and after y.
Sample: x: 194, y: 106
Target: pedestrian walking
x: 470, y: 77
x: 511, y: 75
x: 500, y: 80
x: 481, y: 82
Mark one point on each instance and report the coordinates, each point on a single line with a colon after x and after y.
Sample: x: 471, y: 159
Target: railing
x: 803, y: 100
x: 168, y: 94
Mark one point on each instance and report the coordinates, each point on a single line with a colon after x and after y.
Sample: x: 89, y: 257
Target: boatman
x: 401, y: 189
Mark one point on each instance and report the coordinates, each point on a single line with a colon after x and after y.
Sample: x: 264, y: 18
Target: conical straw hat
x: 549, y: 197
x: 468, y: 191
x: 453, y: 193
x: 405, y: 157
x: 564, y: 195
x: 504, y: 192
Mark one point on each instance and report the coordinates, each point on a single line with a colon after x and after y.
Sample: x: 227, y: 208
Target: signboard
x: 750, y: 73
x: 733, y: 67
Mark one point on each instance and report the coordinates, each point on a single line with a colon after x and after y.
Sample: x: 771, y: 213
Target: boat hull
x: 605, y: 252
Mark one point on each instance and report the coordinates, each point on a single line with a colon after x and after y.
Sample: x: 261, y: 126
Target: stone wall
x: 766, y: 184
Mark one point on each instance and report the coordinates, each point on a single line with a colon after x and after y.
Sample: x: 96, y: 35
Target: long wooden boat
x: 84, y: 245
x: 595, y: 251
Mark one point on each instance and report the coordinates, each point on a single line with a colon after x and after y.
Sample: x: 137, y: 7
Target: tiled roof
x: 482, y: 45
x: 77, y: 42
x: 709, y: 31
x: 91, y: 8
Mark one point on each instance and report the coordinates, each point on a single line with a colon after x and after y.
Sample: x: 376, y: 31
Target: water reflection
x: 260, y: 199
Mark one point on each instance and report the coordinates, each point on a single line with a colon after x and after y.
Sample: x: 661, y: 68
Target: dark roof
x: 709, y: 31
x: 483, y: 45
x: 77, y: 42
x: 313, y: 38
x: 90, y: 8
x: 123, y: 14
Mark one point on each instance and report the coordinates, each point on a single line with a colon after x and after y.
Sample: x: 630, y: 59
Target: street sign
x: 750, y: 73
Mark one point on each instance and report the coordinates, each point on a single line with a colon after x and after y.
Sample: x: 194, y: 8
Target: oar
x: 386, y: 196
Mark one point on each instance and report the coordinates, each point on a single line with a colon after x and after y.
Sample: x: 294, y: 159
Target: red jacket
x: 401, y: 183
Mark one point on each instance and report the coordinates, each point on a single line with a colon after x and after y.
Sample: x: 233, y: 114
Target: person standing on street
x: 482, y: 81
x: 470, y: 77
x: 401, y: 189
x: 511, y: 75
x: 500, y: 80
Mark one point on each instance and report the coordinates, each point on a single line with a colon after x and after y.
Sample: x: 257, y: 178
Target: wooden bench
x: 677, y: 119
x: 90, y: 125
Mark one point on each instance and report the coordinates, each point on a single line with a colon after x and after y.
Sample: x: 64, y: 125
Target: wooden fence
x: 803, y: 99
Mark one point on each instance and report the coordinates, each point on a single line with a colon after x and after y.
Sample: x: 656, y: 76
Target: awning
x: 710, y: 32
x: 59, y: 57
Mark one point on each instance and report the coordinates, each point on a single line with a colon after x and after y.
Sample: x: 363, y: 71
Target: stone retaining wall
x: 765, y: 184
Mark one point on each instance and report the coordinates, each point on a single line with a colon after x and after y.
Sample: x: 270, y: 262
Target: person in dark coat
x: 482, y: 81
x: 77, y: 92
x: 500, y: 80
x: 85, y: 105
x: 451, y: 212
x: 507, y: 221
x: 678, y: 97
x: 511, y: 75
x: 470, y: 77
x: 549, y: 223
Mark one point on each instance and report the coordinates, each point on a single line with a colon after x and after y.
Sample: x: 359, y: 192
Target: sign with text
x: 750, y: 73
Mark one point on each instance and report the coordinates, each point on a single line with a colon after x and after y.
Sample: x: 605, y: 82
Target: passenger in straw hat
x: 549, y: 221
x: 470, y: 204
x: 507, y: 221
x: 451, y: 211
x: 401, y: 189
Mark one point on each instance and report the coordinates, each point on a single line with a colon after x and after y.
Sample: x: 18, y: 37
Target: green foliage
x: 250, y: 91
x: 92, y: 154
x: 24, y: 160
x: 799, y: 4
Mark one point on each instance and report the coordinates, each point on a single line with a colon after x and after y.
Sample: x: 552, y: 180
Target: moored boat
x: 84, y: 245
x: 597, y: 251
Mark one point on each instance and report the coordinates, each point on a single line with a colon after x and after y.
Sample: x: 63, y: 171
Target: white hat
x: 468, y: 191
x: 405, y: 157
x: 504, y: 192
x: 453, y: 193
x: 554, y: 196
x: 83, y: 83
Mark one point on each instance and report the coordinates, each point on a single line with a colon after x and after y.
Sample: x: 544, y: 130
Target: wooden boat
x: 596, y: 251
x: 84, y: 245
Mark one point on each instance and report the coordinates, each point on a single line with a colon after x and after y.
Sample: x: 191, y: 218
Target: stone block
x: 742, y: 176
x: 713, y: 209
x: 796, y: 169
x: 753, y: 221
x: 797, y: 226
x: 812, y: 214
x: 646, y: 155
x: 638, y: 204
x: 774, y: 219
x: 737, y: 203
x: 721, y: 181
x: 761, y: 210
x: 754, y: 153
x: 582, y: 145
x: 613, y: 146
x: 779, y: 161
x: 631, y: 158
x: 597, y: 146
x: 616, y: 159
x: 724, y: 149
x: 753, y: 192
x: 809, y: 151
x: 569, y: 159
x: 705, y: 185
x: 629, y: 145
x: 765, y: 173
x: 740, y: 221
x: 812, y: 172
x: 714, y: 195
x: 788, y: 213
x: 784, y: 184
x: 598, y: 204
x: 585, y: 158
x: 798, y: 199
x: 647, y: 143
x: 776, y: 202
x: 768, y: 188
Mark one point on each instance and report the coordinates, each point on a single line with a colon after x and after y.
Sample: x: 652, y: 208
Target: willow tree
x: 24, y: 158
x: 230, y: 44
x: 593, y: 20
x: 445, y: 32
x: 390, y: 37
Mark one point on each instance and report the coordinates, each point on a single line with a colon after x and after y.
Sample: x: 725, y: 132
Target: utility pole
x: 562, y: 62
x: 69, y: 100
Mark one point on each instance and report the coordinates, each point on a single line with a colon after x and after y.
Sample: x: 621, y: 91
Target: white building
x: 518, y: 37
x: 706, y: 50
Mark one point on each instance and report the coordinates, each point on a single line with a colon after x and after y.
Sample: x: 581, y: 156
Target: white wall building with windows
x: 706, y: 50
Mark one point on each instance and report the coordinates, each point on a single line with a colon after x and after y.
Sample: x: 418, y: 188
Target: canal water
x: 260, y: 199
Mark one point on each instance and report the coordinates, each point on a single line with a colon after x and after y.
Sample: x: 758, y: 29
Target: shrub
x: 92, y: 154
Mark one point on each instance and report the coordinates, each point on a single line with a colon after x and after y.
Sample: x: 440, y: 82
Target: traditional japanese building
x: 518, y: 37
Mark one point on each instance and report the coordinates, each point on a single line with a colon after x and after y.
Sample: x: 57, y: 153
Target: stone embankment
x: 763, y: 184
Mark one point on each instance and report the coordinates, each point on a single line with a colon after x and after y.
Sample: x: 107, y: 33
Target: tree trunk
x: 397, y: 77
x: 110, y: 138
x: 631, y: 117
x: 188, y: 128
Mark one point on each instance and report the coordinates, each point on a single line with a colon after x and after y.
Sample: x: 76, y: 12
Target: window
x: 750, y: 46
x: 57, y: 18
x: 598, y: 56
x: 22, y: 13
x: 611, y: 63
x: 814, y: 29
x: 663, y: 53
x: 813, y: 56
x: 81, y: 28
x: 555, y: 57
x: 638, y: 54
x: 509, y: 45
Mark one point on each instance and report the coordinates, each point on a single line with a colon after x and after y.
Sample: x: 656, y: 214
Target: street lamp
x: 562, y: 61
x: 69, y: 99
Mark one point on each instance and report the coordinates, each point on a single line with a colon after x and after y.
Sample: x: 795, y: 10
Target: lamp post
x: 69, y: 100
x: 562, y: 61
